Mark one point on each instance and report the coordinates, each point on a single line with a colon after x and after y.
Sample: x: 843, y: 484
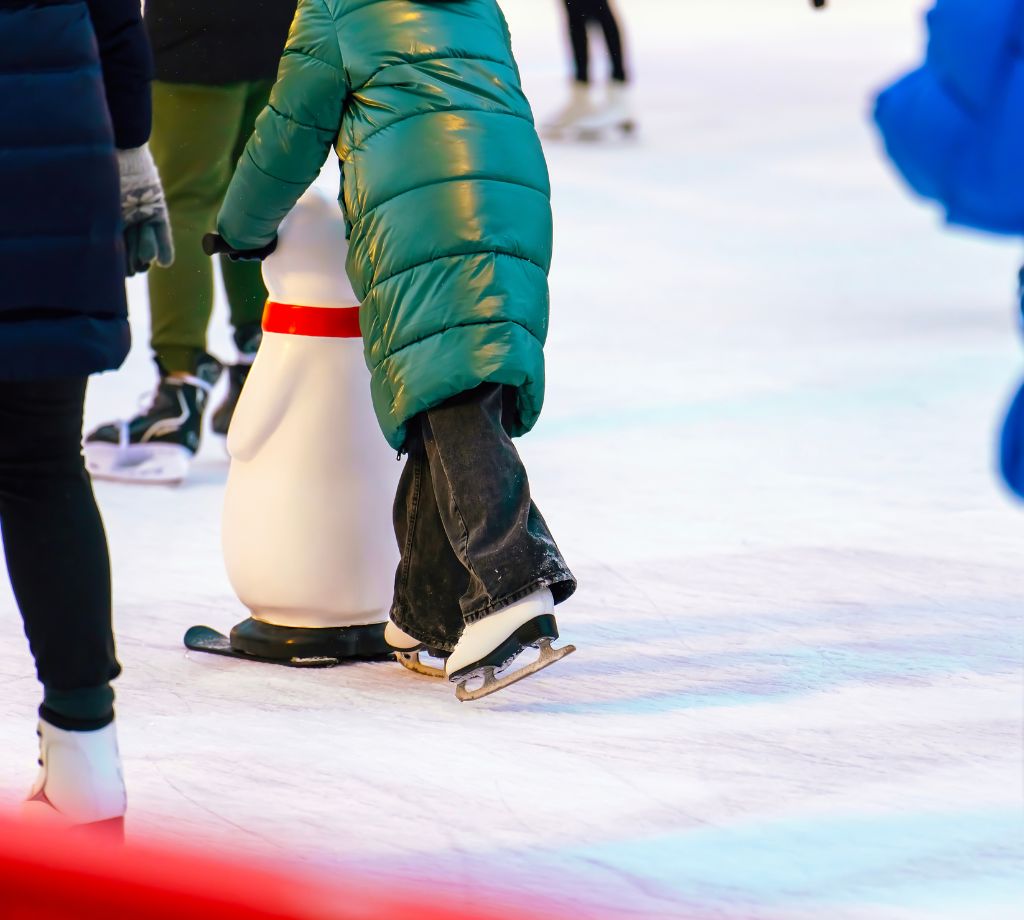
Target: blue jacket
x: 74, y: 81
x: 955, y: 127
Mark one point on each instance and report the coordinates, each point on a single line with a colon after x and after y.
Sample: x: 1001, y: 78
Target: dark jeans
x: 583, y: 12
x: 54, y: 543
x: 472, y: 540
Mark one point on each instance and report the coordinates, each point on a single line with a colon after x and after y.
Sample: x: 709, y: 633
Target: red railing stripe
x: 47, y: 873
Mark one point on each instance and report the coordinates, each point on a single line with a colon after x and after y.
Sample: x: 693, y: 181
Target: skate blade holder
x: 492, y: 684
x: 414, y: 660
x: 156, y: 464
x: 626, y: 130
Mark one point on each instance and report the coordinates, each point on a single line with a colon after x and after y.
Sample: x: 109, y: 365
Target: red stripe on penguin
x: 321, y: 322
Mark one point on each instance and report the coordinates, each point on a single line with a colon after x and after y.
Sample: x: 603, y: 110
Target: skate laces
x: 144, y: 403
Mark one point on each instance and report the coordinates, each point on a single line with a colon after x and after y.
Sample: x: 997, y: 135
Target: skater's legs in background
x: 56, y: 549
x: 195, y: 136
x: 198, y: 134
x: 578, y: 18
x: 581, y: 115
x: 602, y: 12
x: 580, y: 13
x: 613, y: 112
x: 480, y: 497
x: 243, y: 281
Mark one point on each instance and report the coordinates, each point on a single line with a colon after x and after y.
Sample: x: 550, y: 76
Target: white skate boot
x: 490, y: 645
x: 409, y: 652
x: 614, y: 114
x: 566, y: 118
x: 79, y: 781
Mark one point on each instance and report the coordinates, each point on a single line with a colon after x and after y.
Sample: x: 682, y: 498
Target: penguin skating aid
x: 307, y: 537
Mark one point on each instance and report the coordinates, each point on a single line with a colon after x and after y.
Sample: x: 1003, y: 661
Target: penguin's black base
x: 292, y: 646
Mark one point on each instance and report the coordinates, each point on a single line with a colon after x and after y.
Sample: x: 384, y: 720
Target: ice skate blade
x: 413, y: 662
x: 548, y: 656
x: 157, y: 464
x: 625, y: 129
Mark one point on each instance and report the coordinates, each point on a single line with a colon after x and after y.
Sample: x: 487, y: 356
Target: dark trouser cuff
x: 83, y: 710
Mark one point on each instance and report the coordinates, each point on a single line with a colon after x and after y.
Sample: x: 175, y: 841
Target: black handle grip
x: 214, y: 243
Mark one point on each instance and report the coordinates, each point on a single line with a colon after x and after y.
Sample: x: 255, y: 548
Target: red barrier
x: 52, y: 874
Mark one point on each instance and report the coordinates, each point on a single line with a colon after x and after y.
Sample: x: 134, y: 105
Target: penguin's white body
x: 307, y: 532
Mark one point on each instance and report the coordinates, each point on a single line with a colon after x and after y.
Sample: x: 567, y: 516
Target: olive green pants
x: 199, y: 132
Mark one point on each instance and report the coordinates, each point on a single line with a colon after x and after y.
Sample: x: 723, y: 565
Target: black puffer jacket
x: 63, y: 105
x: 217, y: 41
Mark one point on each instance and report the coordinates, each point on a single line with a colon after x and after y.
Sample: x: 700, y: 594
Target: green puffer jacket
x: 445, y: 192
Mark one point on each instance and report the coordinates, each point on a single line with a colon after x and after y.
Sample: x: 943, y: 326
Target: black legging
x: 55, y: 547
x: 583, y: 12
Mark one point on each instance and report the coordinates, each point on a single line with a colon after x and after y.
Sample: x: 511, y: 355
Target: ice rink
x: 774, y: 384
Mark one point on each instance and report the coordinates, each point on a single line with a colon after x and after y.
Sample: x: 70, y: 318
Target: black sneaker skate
x: 248, y: 341
x: 157, y: 445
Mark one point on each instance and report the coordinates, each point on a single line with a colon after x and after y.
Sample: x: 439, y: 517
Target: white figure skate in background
x: 307, y: 531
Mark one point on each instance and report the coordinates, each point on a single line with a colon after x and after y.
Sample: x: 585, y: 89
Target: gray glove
x: 147, y: 232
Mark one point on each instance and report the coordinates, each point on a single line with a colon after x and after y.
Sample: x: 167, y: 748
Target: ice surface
x: 774, y: 384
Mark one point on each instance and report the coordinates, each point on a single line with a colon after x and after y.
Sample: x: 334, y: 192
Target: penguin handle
x: 214, y: 243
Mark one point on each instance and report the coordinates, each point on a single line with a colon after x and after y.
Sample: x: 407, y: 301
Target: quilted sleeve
x: 293, y: 134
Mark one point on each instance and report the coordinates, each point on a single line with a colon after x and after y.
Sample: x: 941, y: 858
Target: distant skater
x: 581, y: 116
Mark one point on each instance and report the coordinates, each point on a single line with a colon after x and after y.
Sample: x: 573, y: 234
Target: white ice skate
x: 614, y: 114
x: 410, y: 652
x: 490, y: 645
x: 578, y: 107
x: 80, y: 781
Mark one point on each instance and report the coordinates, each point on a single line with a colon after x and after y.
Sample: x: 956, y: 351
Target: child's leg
x: 484, y: 506
x: 430, y: 579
